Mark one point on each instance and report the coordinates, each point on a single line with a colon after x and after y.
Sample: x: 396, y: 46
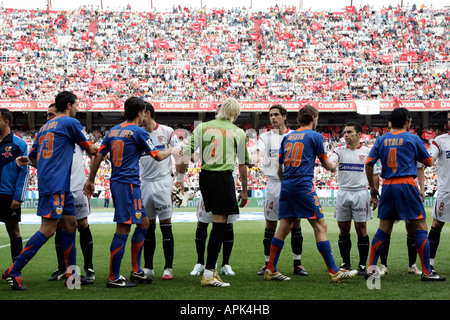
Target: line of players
x: 353, y: 202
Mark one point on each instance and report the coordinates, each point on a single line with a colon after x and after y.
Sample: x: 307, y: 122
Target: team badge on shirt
x: 59, y: 210
x: 138, y: 214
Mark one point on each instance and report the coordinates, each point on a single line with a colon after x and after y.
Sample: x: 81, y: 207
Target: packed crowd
x: 210, y: 54
x: 323, y: 179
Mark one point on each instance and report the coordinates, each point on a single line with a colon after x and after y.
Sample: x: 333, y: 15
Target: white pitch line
x: 8, y: 245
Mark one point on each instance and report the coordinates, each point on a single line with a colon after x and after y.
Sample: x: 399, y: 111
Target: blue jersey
x: 298, y: 152
x: 53, y: 150
x: 126, y: 143
x: 13, y: 178
x: 399, y: 152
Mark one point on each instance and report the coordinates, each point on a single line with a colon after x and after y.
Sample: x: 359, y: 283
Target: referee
x: 220, y: 142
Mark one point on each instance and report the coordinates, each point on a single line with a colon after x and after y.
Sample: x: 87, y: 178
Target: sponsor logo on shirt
x: 351, y: 167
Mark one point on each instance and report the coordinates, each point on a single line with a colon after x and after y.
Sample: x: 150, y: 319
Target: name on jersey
x: 49, y: 125
x: 296, y: 136
x: 120, y: 133
x: 393, y: 142
x: 351, y: 167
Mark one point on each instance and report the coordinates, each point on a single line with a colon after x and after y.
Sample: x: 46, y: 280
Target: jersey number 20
x: 294, y: 153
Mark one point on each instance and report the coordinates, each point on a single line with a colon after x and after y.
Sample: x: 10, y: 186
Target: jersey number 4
x: 392, y: 159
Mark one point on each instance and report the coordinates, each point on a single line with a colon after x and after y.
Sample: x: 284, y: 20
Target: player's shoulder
x: 164, y: 129
x: 364, y: 149
x: 18, y: 140
x: 443, y: 137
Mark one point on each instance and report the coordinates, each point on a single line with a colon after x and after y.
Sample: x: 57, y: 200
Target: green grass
x: 246, y: 259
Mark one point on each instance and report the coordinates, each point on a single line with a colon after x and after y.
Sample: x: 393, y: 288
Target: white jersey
x: 77, y: 174
x: 351, y: 169
x: 150, y: 169
x: 440, y: 151
x: 269, y: 145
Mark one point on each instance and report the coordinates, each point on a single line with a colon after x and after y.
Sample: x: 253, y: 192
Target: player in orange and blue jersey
x: 298, y: 199
x: 399, y: 151
x: 125, y: 143
x: 52, y: 154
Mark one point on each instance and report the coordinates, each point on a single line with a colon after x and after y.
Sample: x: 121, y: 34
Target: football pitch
x: 246, y: 259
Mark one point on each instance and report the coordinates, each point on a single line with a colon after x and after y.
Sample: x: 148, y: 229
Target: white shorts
x: 353, y: 205
x: 207, y: 217
x: 272, y: 204
x: 157, y: 198
x: 441, y: 210
x: 82, y: 205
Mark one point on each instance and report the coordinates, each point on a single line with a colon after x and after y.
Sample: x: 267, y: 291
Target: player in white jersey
x: 353, y: 199
x: 156, y: 189
x: 204, y: 218
x: 268, y: 147
x: 83, y: 210
x: 440, y: 151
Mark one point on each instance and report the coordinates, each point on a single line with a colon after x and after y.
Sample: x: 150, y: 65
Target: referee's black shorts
x: 6, y: 213
x: 219, y: 192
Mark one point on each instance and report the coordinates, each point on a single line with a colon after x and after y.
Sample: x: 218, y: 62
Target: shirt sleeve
x: 422, y: 153
x: 23, y: 177
x: 145, y: 143
x: 320, y: 150
x: 373, y: 155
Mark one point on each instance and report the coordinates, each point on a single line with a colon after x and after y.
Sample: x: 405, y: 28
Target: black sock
x: 267, y: 241
x: 168, y: 244
x: 412, y: 251
x: 201, y: 234
x: 214, y: 244
x: 345, y: 245
x: 228, y: 241
x: 363, y: 249
x: 434, y: 237
x: 16, y: 247
x: 297, y: 245
x: 87, y: 246
x: 149, y: 246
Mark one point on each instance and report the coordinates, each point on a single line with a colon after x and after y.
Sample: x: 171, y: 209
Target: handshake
x: 180, y: 197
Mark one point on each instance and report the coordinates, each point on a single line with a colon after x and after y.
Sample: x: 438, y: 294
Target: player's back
x: 220, y: 141
x: 399, y: 152
x: 124, y: 142
x: 53, y: 150
x: 298, y: 153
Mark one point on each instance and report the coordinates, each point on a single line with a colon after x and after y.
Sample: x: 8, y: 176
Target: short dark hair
x: 133, y: 105
x: 280, y: 108
x: 399, y: 116
x: 356, y: 125
x: 305, y: 114
x: 149, y: 107
x: 63, y: 98
x: 6, y: 115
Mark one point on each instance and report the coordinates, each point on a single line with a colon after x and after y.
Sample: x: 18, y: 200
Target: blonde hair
x: 229, y: 110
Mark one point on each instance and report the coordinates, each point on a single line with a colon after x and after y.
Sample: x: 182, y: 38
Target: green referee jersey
x: 218, y: 143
